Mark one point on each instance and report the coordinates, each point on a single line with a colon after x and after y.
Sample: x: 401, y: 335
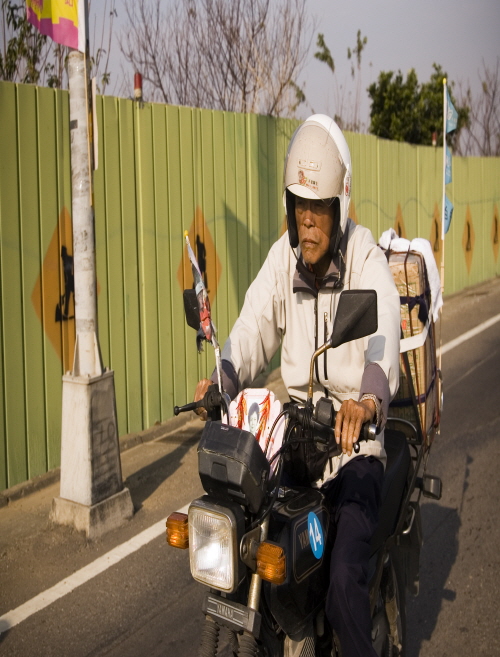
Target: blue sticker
x: 315, y: 531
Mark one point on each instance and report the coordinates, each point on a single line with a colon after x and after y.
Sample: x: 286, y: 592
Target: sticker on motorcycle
x: 315, y: 532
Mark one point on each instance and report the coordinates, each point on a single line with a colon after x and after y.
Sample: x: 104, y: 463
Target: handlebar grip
x: 368, y: 432
x: 187, y: 407
x: 211, y: 402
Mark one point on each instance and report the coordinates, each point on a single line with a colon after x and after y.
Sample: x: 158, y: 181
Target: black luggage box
x: 232, y: 465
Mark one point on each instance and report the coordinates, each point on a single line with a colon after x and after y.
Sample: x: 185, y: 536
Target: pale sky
x: 402, y: 34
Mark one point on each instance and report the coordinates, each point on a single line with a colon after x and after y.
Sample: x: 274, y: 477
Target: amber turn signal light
x: 178, y: 530
x: 271, y: 563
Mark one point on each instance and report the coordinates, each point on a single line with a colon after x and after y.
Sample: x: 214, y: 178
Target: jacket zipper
x: 316, y: 337
x: 316, y: 366
x: 325, y: 316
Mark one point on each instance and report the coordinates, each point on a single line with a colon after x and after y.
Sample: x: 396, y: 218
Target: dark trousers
x: 355, y: 498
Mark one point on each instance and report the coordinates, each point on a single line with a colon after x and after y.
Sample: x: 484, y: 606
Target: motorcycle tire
x: 395, y: 604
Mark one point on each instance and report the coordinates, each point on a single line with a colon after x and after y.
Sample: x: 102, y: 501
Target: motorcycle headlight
x: 214, y: 533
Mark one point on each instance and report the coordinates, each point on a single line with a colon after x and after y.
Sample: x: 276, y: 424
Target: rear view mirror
x: 356, y: 316
x: 191, y: 309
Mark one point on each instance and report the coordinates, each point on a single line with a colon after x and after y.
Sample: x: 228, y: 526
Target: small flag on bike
x: 206, y: 326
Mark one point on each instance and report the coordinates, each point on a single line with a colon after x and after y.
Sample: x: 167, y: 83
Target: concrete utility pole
x: 92, y: 496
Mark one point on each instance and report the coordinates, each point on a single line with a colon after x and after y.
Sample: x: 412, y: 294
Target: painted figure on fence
x: 62, y: 308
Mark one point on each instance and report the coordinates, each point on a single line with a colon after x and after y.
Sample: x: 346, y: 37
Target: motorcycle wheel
x: 395, y: 607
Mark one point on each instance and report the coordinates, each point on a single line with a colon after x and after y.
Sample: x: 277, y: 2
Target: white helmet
x: 317, y: 166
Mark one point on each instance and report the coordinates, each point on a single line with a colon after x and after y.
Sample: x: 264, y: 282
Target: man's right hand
x: 199, y: 393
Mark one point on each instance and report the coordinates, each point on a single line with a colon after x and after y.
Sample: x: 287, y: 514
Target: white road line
x: 112, y: 557
x: 470, y: 334
x: 81, y: 576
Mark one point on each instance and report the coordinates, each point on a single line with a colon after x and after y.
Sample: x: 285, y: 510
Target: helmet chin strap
x: 293, y: 234
x: 335, y: 240
x: 336, y: 235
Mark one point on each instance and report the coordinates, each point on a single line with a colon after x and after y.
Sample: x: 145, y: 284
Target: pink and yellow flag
x: 62, y: 20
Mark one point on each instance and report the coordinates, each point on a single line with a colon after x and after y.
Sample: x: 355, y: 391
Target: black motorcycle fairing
x: 298, y: 599
x: 395, y: 480
x: 409, y: 551
x: 232, y: 466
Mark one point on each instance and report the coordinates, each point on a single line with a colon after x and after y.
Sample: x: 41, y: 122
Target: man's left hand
x: 351, y: 416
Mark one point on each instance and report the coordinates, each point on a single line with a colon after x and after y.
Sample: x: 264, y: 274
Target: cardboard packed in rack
x: 408, y: 271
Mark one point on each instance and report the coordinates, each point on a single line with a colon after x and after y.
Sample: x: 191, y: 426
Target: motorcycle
x: 261, y: 544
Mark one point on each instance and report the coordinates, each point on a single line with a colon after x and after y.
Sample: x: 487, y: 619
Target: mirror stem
x: 316, y: 355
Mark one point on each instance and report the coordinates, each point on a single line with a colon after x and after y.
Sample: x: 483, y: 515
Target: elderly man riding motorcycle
x: 292, y: 302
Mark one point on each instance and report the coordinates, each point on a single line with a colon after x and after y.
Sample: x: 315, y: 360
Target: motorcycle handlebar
x: 368, y: 432
x: 325, y: 430
x: 212, y: 402
x: 188, y: 407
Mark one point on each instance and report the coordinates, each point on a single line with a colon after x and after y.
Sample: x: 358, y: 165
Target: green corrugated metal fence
x: 163, y: 170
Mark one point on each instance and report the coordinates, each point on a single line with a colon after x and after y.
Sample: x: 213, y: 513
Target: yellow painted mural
x: 468, y: 239
x: 53, y: 295
x: 494, y: 234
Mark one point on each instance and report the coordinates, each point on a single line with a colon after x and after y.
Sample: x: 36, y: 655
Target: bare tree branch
x: 482, y: 134
x: 102, y: 48
x: 237, y: 55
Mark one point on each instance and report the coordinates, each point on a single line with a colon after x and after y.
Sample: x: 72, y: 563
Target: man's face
x: 315, y: 225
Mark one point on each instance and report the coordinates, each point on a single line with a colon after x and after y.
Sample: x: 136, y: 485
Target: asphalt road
x: 148, y: 605
x: 456, y: 612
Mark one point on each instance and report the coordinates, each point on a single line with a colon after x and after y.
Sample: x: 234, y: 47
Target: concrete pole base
x: 94, y: 520
x: 92, y: 497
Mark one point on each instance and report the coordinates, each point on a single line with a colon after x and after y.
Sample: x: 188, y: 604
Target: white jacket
x: 273, y: 313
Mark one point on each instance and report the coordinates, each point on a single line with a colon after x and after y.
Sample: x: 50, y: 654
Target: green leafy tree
x: 356, y: 72
x: 405, y: 110
x: 324, y: 54
x: 357, y: 50
x: 24, y: 50
x: 346, y: 110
